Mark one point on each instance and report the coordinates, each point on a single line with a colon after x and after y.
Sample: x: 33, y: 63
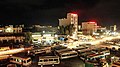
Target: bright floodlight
x: 74, y: 14
x: 92, y: 22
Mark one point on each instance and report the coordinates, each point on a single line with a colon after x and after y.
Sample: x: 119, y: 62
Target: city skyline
x: 45, y: 12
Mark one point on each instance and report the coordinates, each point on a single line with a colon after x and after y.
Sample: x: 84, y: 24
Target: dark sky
x: 105, y: 12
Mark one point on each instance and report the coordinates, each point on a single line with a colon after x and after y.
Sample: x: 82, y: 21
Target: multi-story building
x: 10, y: 34
x: 10, y: 29
x: 113, y: 28
x: 71, y: 19
x: 12, y: 37
x: 63, y: 22
x: 89, y: 28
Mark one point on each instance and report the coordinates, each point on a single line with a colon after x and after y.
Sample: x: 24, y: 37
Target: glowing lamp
x: 92, y: 22
x: 74, y: 14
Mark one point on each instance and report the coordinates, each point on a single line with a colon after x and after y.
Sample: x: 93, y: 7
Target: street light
x: 43, y: 31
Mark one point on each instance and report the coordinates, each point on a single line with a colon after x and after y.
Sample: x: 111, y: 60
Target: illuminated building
x: 11, y: 34
x: 113, y: 28
x: 43, y: 34
x: 22, y: 26
x: 43, y: 37
x: 11, y: 37
x: 71, y: 19
x: 88, y: 28
x: 10, y: 29
x: 63, y: 22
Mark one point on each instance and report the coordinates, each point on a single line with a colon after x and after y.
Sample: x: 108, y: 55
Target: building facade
x: 12, y: 37
x: 10, y: 29
x: 113, y: 28
x: 63, y: 22
x: 88, y: 28
x: 71, y: 19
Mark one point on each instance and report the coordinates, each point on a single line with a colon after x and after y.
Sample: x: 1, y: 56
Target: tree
x: 62, y: 31
x: 28, y: 37
x: 69, y: 29
x: 67, y: 32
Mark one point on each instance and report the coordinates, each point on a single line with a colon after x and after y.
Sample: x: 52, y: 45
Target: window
x: 24, y: 61
x: 28, y: 60
x: 14, y: 59
x: 56, y: 60
x: 73, y: 54
x: 40, y: 60
x: 45, y: 60
x: 19, y: 60
x: 50, y: 59
x: 65, y: 55
x: 11, y: 59
x: 14, y: 31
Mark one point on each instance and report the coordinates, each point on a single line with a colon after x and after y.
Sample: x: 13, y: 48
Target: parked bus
x: 97, y: 60
x: 80, y: 48
x: 66, y: 53
x: 84, y: 56
x: 11, y: 65
x: 48, y: 60
x: 84, y: 51
x: 21, y: 60
x: 96, y: 56
x: 105, y: 51
x: 102, y: 50
x: 116, y: 64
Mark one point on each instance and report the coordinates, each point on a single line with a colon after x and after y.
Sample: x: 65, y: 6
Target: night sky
x: 47, y: 12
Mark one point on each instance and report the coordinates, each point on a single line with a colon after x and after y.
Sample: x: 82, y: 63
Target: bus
x: 24, y: 61
x: 96, y: 60
x: 48, y: 60
x: 84, y: 51
x: 11, y: 65
x: 66, y: 53
x: 116, y: 64
x: 96, y: 56
x: 103, y: 50
x: 84, y: 56
x: 80, y: 48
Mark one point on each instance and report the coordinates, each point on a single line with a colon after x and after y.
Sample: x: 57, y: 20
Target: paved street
x: 72, y: 62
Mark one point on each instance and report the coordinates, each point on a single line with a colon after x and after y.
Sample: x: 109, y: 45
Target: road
x: 73, y: 62
x: 95, y: 42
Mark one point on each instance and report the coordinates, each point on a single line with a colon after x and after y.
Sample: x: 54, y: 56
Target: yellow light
x: 74, y: 14
x: 12, y: 51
